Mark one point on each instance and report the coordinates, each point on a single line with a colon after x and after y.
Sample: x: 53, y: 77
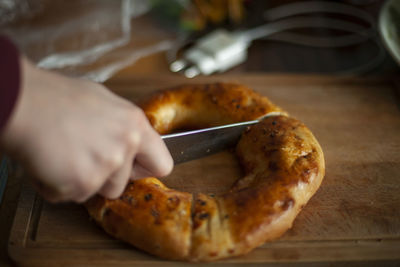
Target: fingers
x: 116, y: 183
x: 100, y: 159
x: 139, y: 172
x: 153, y: 155
x: 115, y: 169
x: 148, y: 157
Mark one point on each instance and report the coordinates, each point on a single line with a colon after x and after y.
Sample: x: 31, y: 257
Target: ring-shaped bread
x: 283, y: 165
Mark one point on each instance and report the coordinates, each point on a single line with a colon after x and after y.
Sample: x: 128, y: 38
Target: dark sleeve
x: 9, y: 79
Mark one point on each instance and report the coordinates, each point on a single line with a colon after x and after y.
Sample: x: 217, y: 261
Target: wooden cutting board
x: 355, y: 215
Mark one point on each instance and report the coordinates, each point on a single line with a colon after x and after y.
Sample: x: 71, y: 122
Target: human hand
x: 77, y: 138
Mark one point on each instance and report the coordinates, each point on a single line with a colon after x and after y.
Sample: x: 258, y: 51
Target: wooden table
x: 354, y: 217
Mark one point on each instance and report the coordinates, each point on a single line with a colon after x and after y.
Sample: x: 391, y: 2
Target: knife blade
x: 185, y: 146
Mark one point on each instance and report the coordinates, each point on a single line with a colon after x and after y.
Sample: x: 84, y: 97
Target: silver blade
x: 195, y: 144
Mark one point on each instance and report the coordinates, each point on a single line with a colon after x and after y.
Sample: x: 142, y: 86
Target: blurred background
x: 98, y: 39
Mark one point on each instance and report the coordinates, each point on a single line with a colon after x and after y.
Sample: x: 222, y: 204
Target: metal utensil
x: 195, y: 144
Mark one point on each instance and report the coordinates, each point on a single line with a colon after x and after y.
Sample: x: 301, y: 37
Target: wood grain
x: 355, y: 215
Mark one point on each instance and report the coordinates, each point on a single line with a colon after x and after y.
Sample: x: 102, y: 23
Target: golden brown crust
x: 199, y: 106
x: 283, y: 165
x: 148, y: 215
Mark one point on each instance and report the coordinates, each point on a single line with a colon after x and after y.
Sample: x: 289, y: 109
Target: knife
x: 185, y: 146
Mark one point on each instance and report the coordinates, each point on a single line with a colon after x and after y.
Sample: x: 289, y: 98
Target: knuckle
x: 114, y: 159
x: 133, y: 139
x: 110, y: 160
x: 136, y: 124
